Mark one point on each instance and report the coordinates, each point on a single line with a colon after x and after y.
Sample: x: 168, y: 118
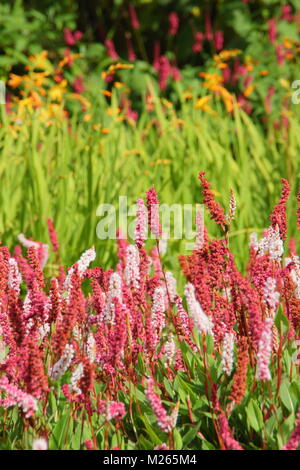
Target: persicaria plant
x: 137, y: 358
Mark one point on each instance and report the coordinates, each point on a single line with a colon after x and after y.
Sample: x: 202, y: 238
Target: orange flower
x: 15, y: 80
x: 36, y: 100
x: 106, y: 93
x: 248, y: 90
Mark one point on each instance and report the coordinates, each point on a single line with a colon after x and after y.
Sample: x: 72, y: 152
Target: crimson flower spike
x: 53, y: 236
x: 216, y: 212
x: 278, y: 216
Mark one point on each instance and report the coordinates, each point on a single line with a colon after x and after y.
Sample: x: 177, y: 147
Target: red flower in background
x: 135, y: 24
x: 111, y: 50
x: 198, y: 42
x: 219, y: 40
x: 71, y: 38
x: 130, y: 51
x: 286, y: 13
x: 272, y: 32
x: 78, y: 84
x: 173, y: 23
x: 268, y: 106
x: 208, y: 30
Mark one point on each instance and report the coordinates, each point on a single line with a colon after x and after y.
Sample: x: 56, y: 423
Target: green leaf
x: 286, y: 397
x: 63, y: 427
x: 177, y: 439
x: 190, y: 435
x: 282, y: 323
x: 254, y: 416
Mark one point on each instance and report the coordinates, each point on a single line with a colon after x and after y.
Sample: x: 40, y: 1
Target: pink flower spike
x: 228, y: 353
x: 116, y: 410
x: 295, y: 437
x: 15, y: 396
x: 153, y: 212
x: 89, y: 445
x: 265, y: 351
x: 132, y: 269
x: 40, y: 444
x: 272, y: 30
x: 229, y: 442
x: 162, y: 447
x: 14, y: 276
x: 140, y: 234
x: 163, y: 420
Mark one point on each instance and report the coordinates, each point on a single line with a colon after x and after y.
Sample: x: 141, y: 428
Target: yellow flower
x: 212, y: 80
x: 166, y: 103
x: 227, y: 99
x: 119, y: 84
x: 120, y: 66
x: 196, y: 11
x: 40, y: 61
x: 284, y: 83
x: 56, y: 93
x: 85, y: 102
x: 87, y: 117
x: 38, y: 78
x: 228, y: 54
x: 113, y: 111
x: 202, y: 101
